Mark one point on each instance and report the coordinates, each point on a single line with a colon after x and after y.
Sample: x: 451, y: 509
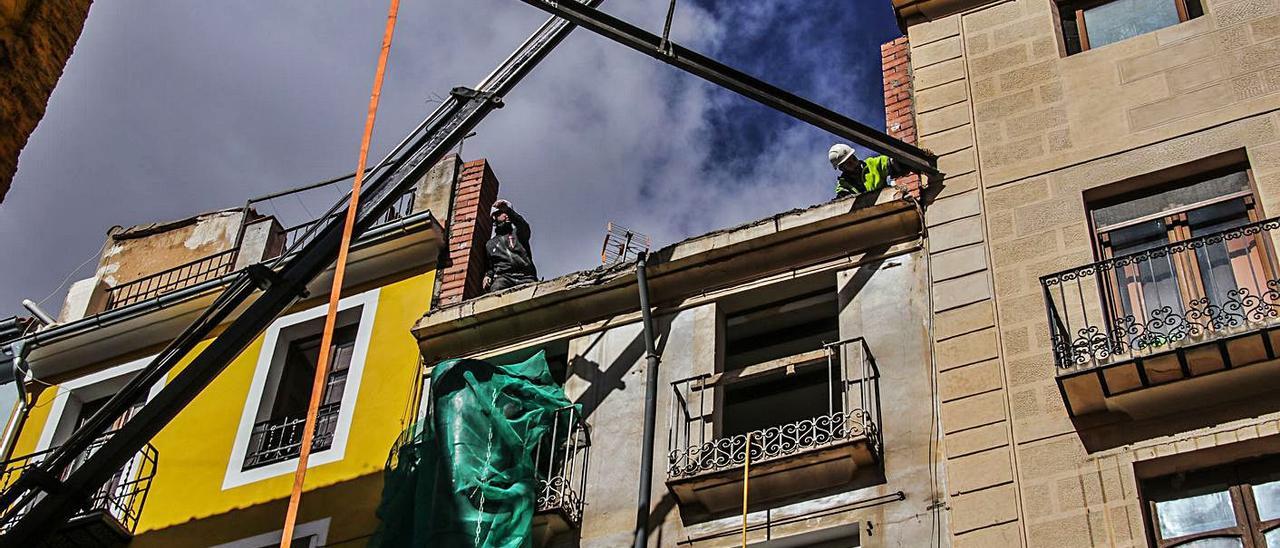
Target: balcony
x: 562, y: 475
x: 109, y: 516
x: 173, y: 279
x: 708, y: 450
x: 279, y: 440
x: 281, y: 240
x: 561, y: 459
x: 1142, y: 333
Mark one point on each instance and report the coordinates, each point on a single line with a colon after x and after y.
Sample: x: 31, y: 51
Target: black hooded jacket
x: 510, y: 257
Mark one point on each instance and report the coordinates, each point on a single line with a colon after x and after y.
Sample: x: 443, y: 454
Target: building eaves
x: 777, y: 243
x: 911, y: 12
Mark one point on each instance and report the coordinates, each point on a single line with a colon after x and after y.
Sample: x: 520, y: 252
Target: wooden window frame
x: 1249, y: 528
x: 1186, y: 268
x: 1078, y: 7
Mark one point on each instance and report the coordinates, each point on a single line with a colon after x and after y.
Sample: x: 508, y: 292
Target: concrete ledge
x: 783, y: 242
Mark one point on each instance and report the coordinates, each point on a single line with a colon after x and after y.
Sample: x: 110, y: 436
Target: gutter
x: 112, y: 317
x: 618, y: 281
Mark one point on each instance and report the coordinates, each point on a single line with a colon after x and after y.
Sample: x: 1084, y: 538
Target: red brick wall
x: 469, y: 228
x: 899, y: 109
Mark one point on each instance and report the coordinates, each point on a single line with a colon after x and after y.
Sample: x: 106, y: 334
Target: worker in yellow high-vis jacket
x: 859, y: 176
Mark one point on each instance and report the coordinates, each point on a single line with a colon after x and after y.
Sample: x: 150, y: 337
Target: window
x: 1088, y: 24
x: 279, y: 437
x: 775, y: 353
x: 80, y: 398
x: 269, y: 436
x: 122, y: 496
x: 841, y: 536
x: 1205, y: 273
x: 311, y: 534
x: 1236, y: 505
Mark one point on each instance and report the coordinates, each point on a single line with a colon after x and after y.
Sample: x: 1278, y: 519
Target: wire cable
x: 95, y: 255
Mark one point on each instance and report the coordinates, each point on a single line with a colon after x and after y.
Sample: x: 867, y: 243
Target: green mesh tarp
x: 466, y: 476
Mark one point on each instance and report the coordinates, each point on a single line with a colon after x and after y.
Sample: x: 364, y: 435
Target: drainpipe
x: 650, y: 406
x: 19, y: 416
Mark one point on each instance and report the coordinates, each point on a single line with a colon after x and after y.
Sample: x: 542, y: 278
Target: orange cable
x: 335, y: 293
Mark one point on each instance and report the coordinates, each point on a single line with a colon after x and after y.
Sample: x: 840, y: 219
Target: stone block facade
x: 1026, y: 135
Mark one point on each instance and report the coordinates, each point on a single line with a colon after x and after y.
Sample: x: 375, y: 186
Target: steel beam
x: 740, y: 82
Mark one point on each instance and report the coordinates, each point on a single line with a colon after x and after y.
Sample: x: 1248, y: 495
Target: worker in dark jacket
x: 859, y: 176
x: 508, y: 251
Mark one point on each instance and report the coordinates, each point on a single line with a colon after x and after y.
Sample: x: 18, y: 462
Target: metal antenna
x: 622, y: 245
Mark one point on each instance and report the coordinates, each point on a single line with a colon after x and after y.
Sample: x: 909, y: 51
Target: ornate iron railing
x: 1156, y: 300
x: 562, y: 457
x: 279, y: 440
x: 853, y: 412
x: 184, y: 275
x: 122, y: 498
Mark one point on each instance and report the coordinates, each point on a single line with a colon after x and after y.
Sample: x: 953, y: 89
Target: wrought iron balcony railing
x: 279, y: 440
x: 121, y: 498
x: 173, y: 279
x: 1160, y: 299
x: 852, y: 413
x: 220, y: 264
x: 562, y: 459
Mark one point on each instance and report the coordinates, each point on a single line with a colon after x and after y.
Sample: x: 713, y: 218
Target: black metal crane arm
x: 720, y: 74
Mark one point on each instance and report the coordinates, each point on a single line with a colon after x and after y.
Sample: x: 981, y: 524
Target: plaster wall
x: 881, y: 300
x: 143, y: 250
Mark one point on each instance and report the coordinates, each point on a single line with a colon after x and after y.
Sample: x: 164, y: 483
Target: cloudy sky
x: 169, y: 108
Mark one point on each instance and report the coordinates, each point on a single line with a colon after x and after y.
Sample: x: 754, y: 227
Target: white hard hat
x: 839, y: 154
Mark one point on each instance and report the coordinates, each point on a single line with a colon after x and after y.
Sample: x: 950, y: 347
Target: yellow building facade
x: 219, y: 474
x: 199, y: 482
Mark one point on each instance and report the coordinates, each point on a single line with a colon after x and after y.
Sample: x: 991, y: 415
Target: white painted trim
x: 236, y: 475
x: 319, y: 528
x: 65, y: 405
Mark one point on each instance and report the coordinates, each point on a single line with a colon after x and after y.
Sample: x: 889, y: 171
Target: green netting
x: 467, y: 476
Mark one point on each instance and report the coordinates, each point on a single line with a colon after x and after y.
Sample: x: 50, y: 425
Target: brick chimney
x: 468, y: 228
x: 899, y: 106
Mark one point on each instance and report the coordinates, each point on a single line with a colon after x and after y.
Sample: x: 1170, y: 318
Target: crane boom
x: 39, y: 502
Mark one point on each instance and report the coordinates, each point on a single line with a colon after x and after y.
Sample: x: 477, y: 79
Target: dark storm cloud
x: 171, y: 108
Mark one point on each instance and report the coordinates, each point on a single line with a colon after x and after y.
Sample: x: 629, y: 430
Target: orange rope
x: 335, y: 293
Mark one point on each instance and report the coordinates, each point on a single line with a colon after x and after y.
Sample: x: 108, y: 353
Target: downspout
x: 650, y: 406
x: 18, y: 418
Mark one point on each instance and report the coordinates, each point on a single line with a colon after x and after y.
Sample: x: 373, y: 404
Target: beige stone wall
x: 36, y: 38
x: 1022, y: 132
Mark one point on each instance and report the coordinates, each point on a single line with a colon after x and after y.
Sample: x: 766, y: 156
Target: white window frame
x: 73, y: 394
x: 318, y: 530
x: 269, y: 365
